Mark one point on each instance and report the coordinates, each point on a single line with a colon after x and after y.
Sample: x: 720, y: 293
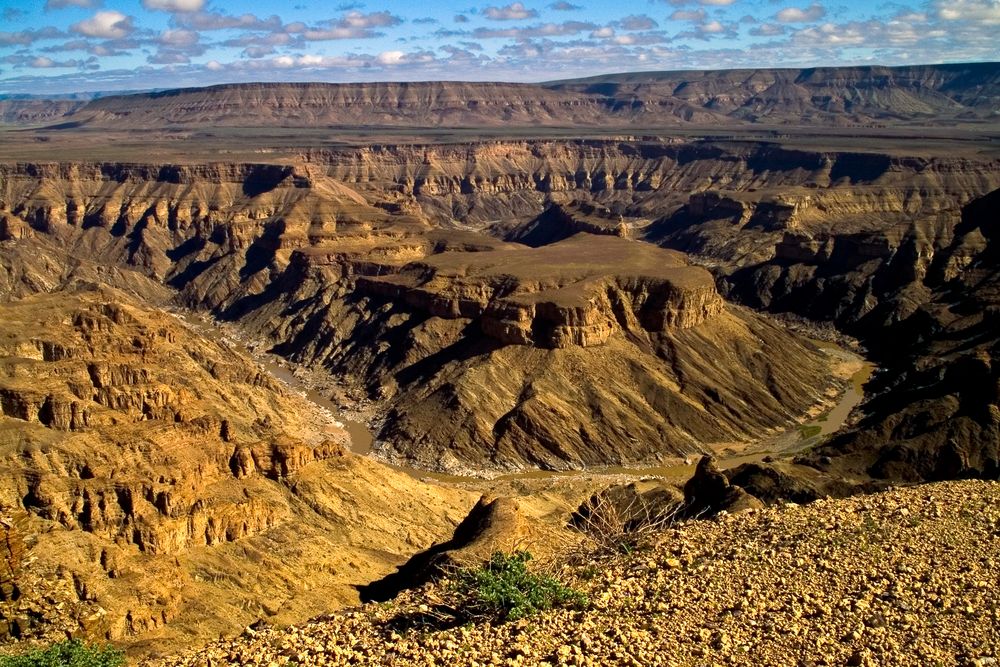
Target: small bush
x: 71, y: 653
x: 622, y: 520
x: 503, y: 589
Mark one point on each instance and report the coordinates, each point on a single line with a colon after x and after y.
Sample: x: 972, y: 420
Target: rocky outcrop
x: 282, y: 458
x: 493, y: 525
x: 709, y: 492
x: 618, y: 515
x: 559, y: 222
x: 576, y: 292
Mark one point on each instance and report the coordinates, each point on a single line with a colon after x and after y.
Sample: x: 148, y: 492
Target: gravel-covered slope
x: 906, y: 577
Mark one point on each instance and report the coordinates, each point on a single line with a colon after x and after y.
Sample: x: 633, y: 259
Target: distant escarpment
x: 27, y: 111
x: 831, y: 96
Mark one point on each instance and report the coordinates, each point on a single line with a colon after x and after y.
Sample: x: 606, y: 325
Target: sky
x: 70, y: 46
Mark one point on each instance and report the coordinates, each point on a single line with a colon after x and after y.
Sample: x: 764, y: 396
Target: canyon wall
x: 167, y: 489
x: 368, y: 262
x: 345, y: 260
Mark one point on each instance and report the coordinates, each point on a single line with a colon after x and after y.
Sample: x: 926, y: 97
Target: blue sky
x: 61, y: 46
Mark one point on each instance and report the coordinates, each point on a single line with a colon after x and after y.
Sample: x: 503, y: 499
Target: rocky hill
x: 368, y: 262
x: 830, y: 96
x: 166, y: 489
x: 900, y: 578
x: 29, y: 111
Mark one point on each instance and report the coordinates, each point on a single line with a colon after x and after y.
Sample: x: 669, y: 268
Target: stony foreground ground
x: 906, y: 577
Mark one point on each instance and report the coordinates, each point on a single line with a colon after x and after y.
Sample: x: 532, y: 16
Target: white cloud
x: 541, y: 30
x: 637, y: 22
x: 712, y: 27
x: 697, y: 15
x: 813, y: 12
x: 184, y: 6
x: 373, y: 20
x: 178, y: 38
x: 217, y: 21
x: 59, y: 4
x: 603, y: 33
x: 982, y: 11
x: 352, y: 25
x: 308, y: 61
x: 27, y: 37
x: 512, y: 12
x: 105, y: 25
x: 768, y: 30
x: 390, y: 57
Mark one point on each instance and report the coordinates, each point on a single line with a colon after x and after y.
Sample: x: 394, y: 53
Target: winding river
x: 794, y: 439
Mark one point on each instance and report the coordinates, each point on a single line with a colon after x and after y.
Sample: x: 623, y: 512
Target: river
x: 794, y: 439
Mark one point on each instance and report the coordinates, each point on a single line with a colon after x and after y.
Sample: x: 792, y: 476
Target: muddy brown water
x: 793, y: 439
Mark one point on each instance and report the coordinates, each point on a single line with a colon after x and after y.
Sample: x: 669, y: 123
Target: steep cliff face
x: 936, y: 414
x: 576, y: 292
x: 912, y: 276
x: 852, y: 248
x: 315, y: 104
x: 165, y: 497
x: 832, y: 95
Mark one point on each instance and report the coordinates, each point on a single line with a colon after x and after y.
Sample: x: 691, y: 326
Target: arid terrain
x: 264, y: 344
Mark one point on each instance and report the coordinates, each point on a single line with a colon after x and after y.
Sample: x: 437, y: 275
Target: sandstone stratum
x: 542, y: 304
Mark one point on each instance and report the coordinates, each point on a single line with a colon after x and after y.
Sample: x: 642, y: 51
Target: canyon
x: 527, y: 302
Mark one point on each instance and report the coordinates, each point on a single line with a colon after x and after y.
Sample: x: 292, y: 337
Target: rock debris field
x: 904, y: 577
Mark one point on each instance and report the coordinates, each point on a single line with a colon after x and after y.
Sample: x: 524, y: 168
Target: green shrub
x: 503, y: 589
x: 71, y: 653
